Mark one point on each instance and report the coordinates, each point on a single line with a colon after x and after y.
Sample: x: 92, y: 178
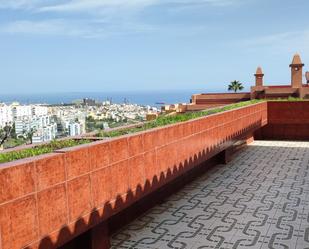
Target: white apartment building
x: 28, y: 110
x: 75, y: 129
x: 26, y: 123
x: 71, y: 120
x: 27, y: 117
x: 6, y: 116
x: 42, y: 126
x: 45, y: 134
x: 39, y: 110
x: 20, y: 111
x: 10, y: 113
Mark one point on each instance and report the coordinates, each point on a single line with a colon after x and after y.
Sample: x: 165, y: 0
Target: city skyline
x: 65, y: 46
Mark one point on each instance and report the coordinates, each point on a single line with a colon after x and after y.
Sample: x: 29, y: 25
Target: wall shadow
x: 145, y: 196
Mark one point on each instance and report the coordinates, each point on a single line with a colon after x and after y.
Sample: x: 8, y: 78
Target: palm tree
x: 235, y: 86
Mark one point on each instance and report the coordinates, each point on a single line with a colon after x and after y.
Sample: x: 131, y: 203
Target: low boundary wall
x: 46, y: 201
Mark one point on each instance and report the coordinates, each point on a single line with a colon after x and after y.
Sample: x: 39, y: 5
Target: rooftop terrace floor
x: 259, y: 200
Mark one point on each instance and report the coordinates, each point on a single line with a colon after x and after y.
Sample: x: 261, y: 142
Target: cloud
x: 22, y: 4
x: 289, y: 42
x: 93, y: 18
x: 86, y: 5
x: 48, y: 27
x: 94, y: 5
x: 73, y: 28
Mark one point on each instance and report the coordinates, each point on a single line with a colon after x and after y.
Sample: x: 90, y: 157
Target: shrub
x: 40, y: 149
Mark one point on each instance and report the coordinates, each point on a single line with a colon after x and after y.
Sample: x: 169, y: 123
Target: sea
x: 151, y: 98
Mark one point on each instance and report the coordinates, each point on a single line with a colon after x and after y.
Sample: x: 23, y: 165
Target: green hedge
x: 166, y: 119
x: 289, y: 99
x: 40, y: 149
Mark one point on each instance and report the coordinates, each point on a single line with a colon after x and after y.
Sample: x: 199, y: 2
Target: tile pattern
x: 259, y: 200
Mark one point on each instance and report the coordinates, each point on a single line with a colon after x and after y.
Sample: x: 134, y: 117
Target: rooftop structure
x: 259, y: 77
x: 296, y: 88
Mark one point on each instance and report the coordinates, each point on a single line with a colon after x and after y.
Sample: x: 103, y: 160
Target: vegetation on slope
x: 40, y: 149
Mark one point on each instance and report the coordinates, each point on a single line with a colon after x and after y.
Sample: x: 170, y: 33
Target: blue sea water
x: 139, y: 97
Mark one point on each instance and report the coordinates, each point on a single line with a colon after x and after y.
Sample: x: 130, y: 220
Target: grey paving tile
x: 259, y: 200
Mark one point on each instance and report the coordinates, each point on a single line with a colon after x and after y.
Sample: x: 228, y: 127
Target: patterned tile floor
x: 259, y: 200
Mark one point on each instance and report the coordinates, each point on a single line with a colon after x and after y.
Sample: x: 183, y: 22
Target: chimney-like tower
x: 297, y: 72
x: 259, y: 77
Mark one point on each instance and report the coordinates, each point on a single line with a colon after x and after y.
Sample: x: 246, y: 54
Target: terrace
x: 79, y: 197
x: 259, y: 200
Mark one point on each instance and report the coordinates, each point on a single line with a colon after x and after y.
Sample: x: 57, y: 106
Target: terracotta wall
x: 47, y: 200
x: 216, y: 99
x: 286, y: 121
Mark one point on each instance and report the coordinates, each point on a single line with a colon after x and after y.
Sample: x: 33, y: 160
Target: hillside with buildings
x: 37, y: 123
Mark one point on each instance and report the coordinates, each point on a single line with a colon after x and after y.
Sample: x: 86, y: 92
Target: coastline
x: 151, y: 98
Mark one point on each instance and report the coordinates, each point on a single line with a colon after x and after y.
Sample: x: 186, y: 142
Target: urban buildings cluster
x: 42, y: 123
x: 119, y: 112
x: 70, y: 120
x: 29, y: 121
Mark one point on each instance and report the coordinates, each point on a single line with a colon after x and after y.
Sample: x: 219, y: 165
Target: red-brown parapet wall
x: 211, y: 100
x: 220, y: 98
x: 286, y: 121
x: 46, y: 201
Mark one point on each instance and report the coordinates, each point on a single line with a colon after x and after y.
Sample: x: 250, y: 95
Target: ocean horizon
x: 151, y: 98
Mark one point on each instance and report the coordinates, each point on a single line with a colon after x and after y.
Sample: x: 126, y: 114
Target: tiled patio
x: 259, y: 200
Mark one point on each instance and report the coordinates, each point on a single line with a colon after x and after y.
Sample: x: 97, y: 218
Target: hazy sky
x: 104, y: 45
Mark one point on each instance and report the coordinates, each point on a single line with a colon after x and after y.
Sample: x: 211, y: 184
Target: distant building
x: 21, y: 127
x: 89, y: 102
x: 66, y: 115
x: 45, y: 134
x: 19, y: 111
x: 6, y: 116
x: 75, y: 129
x: 43, y: 128
x: 24, y: 124
x: 39, y: 110
x: 307, y: 77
